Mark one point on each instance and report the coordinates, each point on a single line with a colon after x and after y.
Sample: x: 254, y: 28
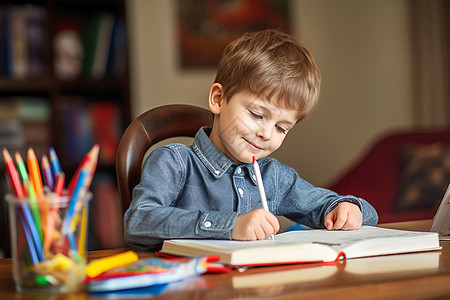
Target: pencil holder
x: 48, y: 242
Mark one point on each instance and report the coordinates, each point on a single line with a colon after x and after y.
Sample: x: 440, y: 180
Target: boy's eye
x: 256, y: 115
x: 281, y: 129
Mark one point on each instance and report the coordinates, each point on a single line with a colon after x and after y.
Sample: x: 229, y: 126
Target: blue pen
x: 29, y: 240
x: 54, y: 161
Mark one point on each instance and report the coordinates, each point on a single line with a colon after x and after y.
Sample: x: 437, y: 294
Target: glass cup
x: 48, y: 242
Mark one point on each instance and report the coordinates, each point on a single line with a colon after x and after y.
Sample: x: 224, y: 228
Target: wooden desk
x: 414, y: 276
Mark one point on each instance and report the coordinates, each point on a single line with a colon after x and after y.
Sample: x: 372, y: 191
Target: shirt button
x: 207, y: 224
x: 241, y: 191
x: 217, y: 172
x: 239, y: 170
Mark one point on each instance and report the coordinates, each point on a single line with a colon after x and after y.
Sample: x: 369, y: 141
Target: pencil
x: 21, y: 166
x: 35, y: 210
x: 51, y: 221
x: 34, y: 172
x: 59, y: 184
x: 29, y: 239
x: 259, y: 182
x: 47, y: 172
x: 13, y: 175
x: 24, y: 209
x: 92, y: 156
x: 54, y: 161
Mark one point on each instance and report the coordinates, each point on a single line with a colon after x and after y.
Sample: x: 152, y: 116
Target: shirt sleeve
x: 153, y: 216
x: 307, y: 204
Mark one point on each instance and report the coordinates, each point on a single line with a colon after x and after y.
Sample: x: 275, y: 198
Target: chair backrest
x: 149, y: 128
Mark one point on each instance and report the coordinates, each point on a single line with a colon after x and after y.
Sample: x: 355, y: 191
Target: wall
x: 362, y: 47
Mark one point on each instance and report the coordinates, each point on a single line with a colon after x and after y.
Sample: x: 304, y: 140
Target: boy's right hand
x: 257, y: 224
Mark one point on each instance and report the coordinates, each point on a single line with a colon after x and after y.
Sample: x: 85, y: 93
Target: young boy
x: 266, y: 82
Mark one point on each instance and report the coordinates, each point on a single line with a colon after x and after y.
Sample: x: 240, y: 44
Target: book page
x: 336, y: 239
x: 340, y: 239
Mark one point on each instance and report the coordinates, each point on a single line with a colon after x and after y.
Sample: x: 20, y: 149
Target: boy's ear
x: 215, y: 98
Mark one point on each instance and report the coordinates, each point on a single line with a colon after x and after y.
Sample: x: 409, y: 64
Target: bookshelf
x: 64, y: 83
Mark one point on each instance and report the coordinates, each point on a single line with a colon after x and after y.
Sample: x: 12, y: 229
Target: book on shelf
x: 306, y: 246
x: 25, y: 122
x: 87, y: 122
x: 105, y: 121
x: 23, y: 40
x: 97, y: 37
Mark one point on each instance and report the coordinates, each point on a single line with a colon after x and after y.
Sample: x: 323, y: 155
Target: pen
x: 259, y: 182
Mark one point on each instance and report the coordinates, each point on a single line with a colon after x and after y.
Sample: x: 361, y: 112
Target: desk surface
x: 415, y: 275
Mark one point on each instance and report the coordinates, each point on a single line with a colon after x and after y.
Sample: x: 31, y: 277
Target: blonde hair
x: 273, y: 65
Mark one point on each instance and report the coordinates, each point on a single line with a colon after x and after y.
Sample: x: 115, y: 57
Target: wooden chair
x: 149, y: 128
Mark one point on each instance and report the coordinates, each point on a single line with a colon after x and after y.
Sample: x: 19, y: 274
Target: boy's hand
x: 257, y: 224
x: 346, y: 216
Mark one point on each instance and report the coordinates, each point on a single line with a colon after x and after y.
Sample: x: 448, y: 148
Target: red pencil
x: 90, y: 157
x: 59, y: 184
x: 13, y: 174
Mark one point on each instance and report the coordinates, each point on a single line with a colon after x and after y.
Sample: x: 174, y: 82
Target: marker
x: 259, y: 182
x: 98, y: 266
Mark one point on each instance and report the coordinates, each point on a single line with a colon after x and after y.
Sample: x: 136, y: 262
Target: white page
x: 336, y: 239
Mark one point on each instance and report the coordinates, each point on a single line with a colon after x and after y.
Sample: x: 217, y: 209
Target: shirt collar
x: 213, y: 159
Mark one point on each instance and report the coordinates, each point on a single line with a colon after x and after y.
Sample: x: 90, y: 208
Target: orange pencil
x: 13, y: 174
x: 35, y: 172
x: 91, y: 156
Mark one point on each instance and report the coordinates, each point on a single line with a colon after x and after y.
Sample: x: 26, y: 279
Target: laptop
x: 441, y: 220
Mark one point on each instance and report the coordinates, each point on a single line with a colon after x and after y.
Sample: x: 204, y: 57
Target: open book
x: 318, y: 245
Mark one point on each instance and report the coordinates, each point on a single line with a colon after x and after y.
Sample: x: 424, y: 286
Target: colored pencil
x: 34, y: 172
x: 35, y: 210
x: 21, y: 166
x: 59, y: 183
x: 13, y: 175
x: 29, y: 239
x: 92, y: 156
x: 47, y: 172
x: 54, y: 161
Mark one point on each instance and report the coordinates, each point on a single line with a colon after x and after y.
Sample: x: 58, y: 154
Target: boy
x: 266, y: 82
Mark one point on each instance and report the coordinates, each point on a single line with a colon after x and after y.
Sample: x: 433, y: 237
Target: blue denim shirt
x: 197, y: 192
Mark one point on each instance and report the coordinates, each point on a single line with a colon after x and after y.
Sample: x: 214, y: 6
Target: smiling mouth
x: 253, y: 146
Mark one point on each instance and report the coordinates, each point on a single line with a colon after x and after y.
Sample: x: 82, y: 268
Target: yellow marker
x: 98, y: 266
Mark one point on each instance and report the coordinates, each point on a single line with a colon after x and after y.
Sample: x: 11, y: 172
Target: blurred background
x: 75, y: 73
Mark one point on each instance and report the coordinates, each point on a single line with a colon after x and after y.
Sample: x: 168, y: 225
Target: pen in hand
x: 259, y: 182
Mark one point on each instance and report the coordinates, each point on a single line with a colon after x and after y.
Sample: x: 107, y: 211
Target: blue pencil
x: 72, y: 241
x: 29, y: 240
x: 73, y: 199
x: 54, y: 161
x: 33, y: 230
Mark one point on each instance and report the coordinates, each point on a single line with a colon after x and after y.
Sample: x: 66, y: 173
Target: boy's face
x: 247, y: 126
